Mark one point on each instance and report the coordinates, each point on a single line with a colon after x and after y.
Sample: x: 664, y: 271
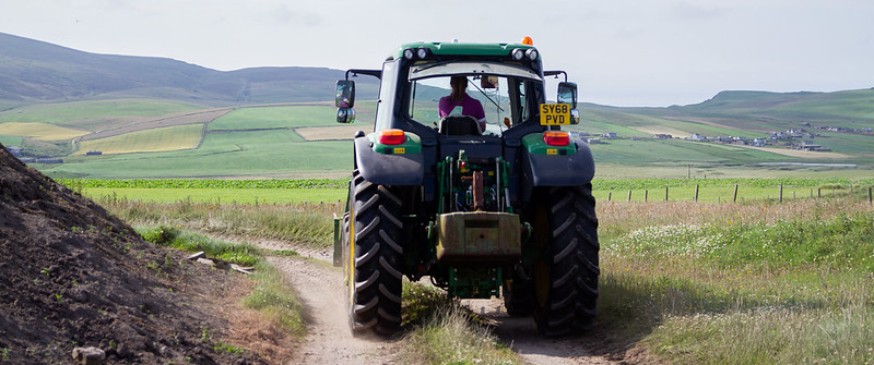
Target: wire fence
x: 733, y: 193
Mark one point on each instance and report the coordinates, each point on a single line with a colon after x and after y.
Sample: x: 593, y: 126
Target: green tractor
x: 497, y: 205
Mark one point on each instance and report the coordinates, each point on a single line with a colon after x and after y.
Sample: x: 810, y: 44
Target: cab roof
x: 462, y: 49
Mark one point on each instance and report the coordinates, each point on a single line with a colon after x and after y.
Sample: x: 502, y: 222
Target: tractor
x: 498, y: 209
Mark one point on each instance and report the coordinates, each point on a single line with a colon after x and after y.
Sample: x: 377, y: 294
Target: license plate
x: 555, y: 114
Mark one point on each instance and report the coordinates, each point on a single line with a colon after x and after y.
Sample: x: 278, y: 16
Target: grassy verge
x: 445, y: 333
x: 272, y: 295
x: 305, y: 224
x: 743, y: 284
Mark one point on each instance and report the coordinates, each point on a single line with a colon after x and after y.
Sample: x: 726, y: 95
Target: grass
x: 41, y: 131
x: 241, y: 254
x: 334, y: 190
x: 152, y: 140
x: 446, y: 333
x: 275, y: 297
x: 272, y: 295
x: 305, y: 224
x: 275, y: 118
x: 741, y: 283
x: 231, y: 196
x: 93, y: 114
x: 10, y: 141
x: 261, y: 153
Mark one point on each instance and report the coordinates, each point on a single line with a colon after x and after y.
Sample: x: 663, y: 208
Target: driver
x: 469, y: 106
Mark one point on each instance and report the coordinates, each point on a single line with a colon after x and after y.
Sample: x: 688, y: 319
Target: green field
x: 334, y: 190
x: 91, y: 114
x: 11, y: 140
x: 153, y: 140
x: 275, y: 118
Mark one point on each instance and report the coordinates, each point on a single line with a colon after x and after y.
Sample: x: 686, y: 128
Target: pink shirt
x: 469, y: 106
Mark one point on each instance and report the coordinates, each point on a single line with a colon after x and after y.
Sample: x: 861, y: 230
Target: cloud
x: 285, y: 16
x: 689, y: 11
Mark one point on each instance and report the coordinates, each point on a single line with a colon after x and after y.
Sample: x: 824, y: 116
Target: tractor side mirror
x: 567, y: 94
x: 345, y: 100
x: 345, y: 115
x: 345, y: 97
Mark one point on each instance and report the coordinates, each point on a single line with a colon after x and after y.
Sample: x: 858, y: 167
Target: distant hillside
x: 32, y: 70
x: 755, y: 111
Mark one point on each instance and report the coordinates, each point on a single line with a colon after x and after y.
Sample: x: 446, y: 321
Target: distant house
x: 609, y: 135
x: 697, y: 137
x: 93, y: 153
x: 663, y: 136
x: 49, y: 160
x: 813, y: 147
x: 759, y: 142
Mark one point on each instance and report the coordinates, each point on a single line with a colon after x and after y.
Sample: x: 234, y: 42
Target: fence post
x: 666, y: 193
x: 780, y: 197
x: 696, y: 192
x: 819, y: 192
x: 646, y: 196
x: 870, y: 201
x: 629, y: 196
x: 609, y: 196
x: 734, y: 196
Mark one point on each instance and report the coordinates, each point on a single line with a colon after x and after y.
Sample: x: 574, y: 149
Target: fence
x: 733, y: 193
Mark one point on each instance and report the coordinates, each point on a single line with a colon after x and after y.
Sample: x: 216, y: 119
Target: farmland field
x: 275, y: 117
x: 333, y: 190
x: 10, y: 140
x: 152, y: 140
x: 94, y: 113
x: 41, y: 131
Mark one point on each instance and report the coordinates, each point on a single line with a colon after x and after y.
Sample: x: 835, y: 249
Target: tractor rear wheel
x: 373, y: 258
x: 565, y: 278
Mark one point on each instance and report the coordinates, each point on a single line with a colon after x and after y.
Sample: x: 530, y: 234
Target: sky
x: 620, y: 52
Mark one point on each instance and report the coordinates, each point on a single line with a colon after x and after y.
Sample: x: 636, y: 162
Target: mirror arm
x: 555, y: 73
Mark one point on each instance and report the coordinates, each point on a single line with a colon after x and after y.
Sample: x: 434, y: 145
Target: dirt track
x: 329, y: 341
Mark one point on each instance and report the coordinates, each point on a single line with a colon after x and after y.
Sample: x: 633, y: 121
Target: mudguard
x: 387, y: 169
x: 574, y: 169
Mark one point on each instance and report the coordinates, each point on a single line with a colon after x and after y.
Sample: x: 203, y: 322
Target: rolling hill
x: 34, y: 71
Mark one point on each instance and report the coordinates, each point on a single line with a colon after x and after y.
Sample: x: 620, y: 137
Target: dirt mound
x: 73, y: 275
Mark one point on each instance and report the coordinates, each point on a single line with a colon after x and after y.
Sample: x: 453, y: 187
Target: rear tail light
x: 556, y: 138
x: 392, y: 137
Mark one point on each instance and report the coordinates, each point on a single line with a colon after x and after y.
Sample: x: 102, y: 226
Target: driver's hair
x: 459, y: 86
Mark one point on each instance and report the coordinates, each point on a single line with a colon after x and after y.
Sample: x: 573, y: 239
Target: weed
x: 204, y: 334
x: 58, y: 297
x: 284, y: 253
x: 4, y: 353
x: 449, y: 337
x: 275, y: 298
x: 228, y: 348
